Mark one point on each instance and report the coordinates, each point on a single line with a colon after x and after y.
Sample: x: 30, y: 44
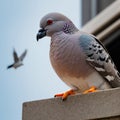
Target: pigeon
x: 79, y: 58
x: 17, y: 60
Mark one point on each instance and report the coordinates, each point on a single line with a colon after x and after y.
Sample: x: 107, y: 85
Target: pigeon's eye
x: 49, y: 22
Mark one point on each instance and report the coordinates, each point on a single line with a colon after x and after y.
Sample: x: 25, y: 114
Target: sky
x: 36, y: 80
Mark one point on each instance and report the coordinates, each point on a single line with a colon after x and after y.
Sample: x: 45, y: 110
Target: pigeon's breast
x: 66, y: 57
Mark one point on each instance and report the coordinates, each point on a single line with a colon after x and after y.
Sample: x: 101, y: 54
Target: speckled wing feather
x: 98, y: 57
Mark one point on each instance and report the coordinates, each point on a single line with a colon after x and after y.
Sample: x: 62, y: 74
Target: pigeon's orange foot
x: 66, y: 94
x: 92, y: 89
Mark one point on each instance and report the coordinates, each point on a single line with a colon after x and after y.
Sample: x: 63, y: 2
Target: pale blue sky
x: 36, y: 80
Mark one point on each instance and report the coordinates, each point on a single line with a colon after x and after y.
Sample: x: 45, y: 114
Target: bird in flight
x: 18, y: 61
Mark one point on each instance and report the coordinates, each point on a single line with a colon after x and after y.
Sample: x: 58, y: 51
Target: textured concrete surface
x: 103, y: 105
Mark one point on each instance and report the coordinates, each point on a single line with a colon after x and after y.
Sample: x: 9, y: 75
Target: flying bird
x: 78, y: 58
x: 18, y: 61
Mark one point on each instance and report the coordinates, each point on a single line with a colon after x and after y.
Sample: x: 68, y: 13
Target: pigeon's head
x: 55, y: 22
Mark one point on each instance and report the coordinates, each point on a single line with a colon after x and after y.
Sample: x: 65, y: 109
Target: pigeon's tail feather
x: 10, y: 66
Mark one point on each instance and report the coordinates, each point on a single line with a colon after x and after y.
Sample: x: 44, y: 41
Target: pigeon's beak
x: 41, y: 33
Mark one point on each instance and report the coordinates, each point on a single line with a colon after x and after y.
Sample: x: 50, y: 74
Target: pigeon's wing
x: 15, y: 56
x: 98, y: 57
x: 23, y: 55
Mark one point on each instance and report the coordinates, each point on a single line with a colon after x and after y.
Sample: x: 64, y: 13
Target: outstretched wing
x: 98, y: 57
x: 23, y: 55
x: 15, y: 56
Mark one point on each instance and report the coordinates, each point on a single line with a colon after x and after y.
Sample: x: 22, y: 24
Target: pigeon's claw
x: 59, y: 95
x: 92, y: 89
x: 66, y: 94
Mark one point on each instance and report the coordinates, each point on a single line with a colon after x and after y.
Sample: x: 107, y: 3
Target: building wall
x: 90, y: 8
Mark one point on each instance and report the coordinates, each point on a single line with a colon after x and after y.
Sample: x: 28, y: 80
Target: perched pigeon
x: 17, y: 60
x: 77, y: 57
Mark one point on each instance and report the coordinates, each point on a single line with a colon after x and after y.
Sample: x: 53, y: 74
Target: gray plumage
x: 78, y: 58
x: 98, y: 58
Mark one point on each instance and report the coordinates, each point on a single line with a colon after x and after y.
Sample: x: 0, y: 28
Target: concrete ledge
x: 103, y: 105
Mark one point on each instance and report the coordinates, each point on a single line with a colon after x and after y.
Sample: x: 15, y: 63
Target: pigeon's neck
x: 70, y: 28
